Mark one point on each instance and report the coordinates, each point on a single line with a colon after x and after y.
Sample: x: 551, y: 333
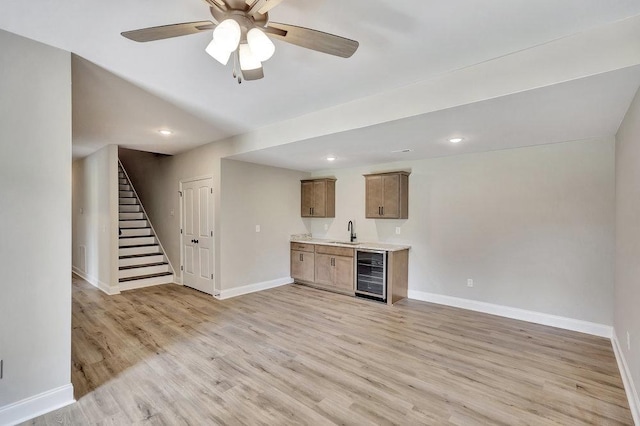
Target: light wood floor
x: 296, y: 355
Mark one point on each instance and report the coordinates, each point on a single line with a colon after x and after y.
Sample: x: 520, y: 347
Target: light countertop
x: 366, y: 245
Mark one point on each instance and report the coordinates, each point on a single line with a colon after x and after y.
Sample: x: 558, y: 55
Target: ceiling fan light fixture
x: 227, y: 35
x: 219, y: 54
x: 261, y: 45
x: 248, y: 61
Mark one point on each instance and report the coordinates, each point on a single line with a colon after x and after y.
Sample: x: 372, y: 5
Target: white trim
x: 627, y: 379
x: 106, y: 288
x: 36, y: 405
x: 596, y: 329
x: 180, y: 277
x: 252, y: 288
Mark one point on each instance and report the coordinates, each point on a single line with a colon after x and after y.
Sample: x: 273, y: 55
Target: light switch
x: 257, y: 228
x: 397, y: 230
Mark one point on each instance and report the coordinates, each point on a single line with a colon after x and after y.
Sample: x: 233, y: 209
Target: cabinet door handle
x: 313, y: 211
x: 379, y: 211
x: 301, y: 258
x: 382, y: 208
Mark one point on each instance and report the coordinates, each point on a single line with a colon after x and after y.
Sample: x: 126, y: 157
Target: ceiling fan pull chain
x: 237, y: 72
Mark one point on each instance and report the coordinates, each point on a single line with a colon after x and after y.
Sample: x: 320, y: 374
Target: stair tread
x: 133, y: 256
x: 142, y: 277
x: 122, y: 237
x: 143, y: 266
x: 139, y: 227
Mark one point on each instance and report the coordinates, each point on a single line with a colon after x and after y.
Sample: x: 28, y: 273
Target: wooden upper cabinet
x: 387, y: 195
x: 318, y: 198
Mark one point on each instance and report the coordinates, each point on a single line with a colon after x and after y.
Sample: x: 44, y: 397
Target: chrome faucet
x: 352, y: 236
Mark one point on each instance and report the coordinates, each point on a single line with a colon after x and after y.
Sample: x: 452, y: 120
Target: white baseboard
x: 515, y: 313
x: 36, y: 405
x: 251, y: 288
x: 627, y: 379
x: 96, y: 282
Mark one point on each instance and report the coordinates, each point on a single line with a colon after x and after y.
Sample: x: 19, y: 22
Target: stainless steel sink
x: 349, y: 243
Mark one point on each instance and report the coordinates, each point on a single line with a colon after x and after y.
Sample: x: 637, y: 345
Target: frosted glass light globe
x: 248, y: 61
x: 261, y: 45
x: 227, y: 35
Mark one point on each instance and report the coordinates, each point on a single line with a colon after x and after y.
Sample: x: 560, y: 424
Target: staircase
x: 142, y: 261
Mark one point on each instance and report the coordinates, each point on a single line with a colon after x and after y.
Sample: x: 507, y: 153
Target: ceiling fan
x: 241, y: 29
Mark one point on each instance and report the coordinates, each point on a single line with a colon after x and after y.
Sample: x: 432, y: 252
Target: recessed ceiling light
x: 455, y: 140
x: 165, y: 132
x: 331, y: 158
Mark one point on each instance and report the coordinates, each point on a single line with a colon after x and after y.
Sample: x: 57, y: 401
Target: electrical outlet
x: 628, y: 341
x: 257, y: 228
x: 469, y: 282
x: 326, y: 226
x: 397, y: 230
x: 172, y: 213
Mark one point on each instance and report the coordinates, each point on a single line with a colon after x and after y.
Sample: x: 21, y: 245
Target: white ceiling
x: 580, y: 109
x: 173, y: 83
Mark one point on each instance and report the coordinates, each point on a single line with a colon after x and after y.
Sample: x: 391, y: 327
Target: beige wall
x: 627, y: 271
x: 533, y: 227
x: 95, y: 218
x: 258, y: 195
x: 35, y: 219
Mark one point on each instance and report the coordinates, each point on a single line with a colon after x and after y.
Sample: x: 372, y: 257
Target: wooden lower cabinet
x: 302, y: 265
x: 334, y: 271
x: 343, y: 273
x: 323, y: 266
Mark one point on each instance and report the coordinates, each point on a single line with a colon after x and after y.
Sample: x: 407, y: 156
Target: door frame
x: 216, y: 291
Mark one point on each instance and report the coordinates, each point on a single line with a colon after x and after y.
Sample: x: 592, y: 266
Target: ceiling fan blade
x: 256, y: 74
x: 168, y: 31
x: 262, y: 6
x: 216, y: 3
x: 313, y: 39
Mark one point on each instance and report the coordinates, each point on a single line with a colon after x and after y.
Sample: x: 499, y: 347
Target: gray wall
x: 258, y: 195
x: 627, y: 270
x: 35, y: 218
x: 156, y: 179
x: 533, y: 227
x: 95, y: 218
x: 245, y: 195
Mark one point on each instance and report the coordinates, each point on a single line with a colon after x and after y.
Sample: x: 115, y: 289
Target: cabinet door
x: 306, y: 208
x: 302, y: 265
x: 374, y: 196
x: 391, y: 196
x: 324, y: 269
x: 343, y: 272
x: 320, y: 199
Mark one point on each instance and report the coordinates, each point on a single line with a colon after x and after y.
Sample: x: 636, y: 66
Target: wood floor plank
x: 169, y: 355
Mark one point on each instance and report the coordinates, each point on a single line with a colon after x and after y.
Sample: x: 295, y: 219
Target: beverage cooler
x: 371, y: 274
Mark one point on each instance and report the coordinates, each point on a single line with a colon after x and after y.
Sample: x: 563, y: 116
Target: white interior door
x: 197, y: 234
